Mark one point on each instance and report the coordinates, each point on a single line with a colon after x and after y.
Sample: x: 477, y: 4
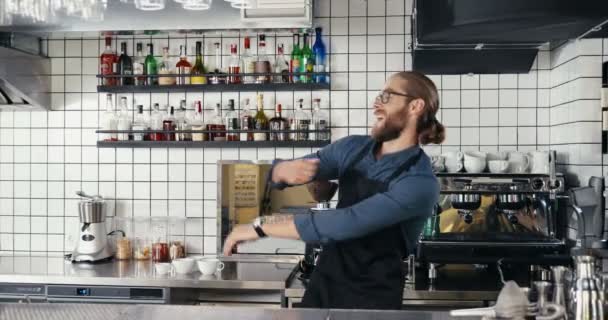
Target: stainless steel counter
x: 154, y: 312
x: 55, y: 270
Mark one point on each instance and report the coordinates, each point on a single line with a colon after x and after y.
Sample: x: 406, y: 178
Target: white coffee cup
x: 162, y: 267
x: 519, y: 162
x: 475, y: 154
x: 498, y: 166
x: 474, y: 165
x: 438, y: 163
x: 183, y: 265
x: 209, y: 266
x: 501, y: 155
x: 540, y: 162
x: 453, y: 161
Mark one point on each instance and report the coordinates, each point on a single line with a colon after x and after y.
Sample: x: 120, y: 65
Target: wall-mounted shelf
x: 212, y: 144
x: 216, y: 88
x: 219, y: 87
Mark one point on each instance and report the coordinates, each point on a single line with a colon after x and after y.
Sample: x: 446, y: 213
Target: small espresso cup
x: 162, y: 268
x: 209, y: 265
x: 519, y: 162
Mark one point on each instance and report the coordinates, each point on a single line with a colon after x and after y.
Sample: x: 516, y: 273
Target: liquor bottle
x: 220, y: 77
x: 151, y: 66
x: 281, y: 66
x: 109, y: 120
x: 125, y: 66
x: 260, y: 121
x: 216, y: 126
x: 165, y: 69
x: 302, y: 119
x: 307, y: 63
x: 124, y: 121
x: 140, y: 123
x: 320, y: 122
x: 183, y: 67
x: 278, y: 126
x: 320, y: 53
x: 198, y: 70
x: 197, y: 123
x: 169, y: 125
x: 248, y: 61
x: 293, y: 127
x: 234, y: 66
x: 296, y: 59
x: 182, y: 123
x: 263, y: 64
x: 107, y: 59
x: 139, y: 66
x: 246, y: 122
x: 156, y: 123
x: 232, y: 122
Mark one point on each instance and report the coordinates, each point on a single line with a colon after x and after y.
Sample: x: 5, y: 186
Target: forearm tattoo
x: 276, y: 218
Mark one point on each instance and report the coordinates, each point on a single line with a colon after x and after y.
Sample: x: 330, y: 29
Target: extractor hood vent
x: 24, y: 73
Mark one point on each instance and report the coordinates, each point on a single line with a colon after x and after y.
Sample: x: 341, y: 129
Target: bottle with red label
x: 234, y: 67
x: 107, y: 61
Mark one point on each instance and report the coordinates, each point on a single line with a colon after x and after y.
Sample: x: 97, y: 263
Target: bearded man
x: 387, y: 191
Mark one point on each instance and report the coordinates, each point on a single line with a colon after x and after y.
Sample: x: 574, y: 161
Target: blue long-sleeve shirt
x: 408, y: 201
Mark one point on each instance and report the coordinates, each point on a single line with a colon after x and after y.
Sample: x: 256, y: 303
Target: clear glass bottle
x: 216, y: 126
x: 246, y: 121
x: 248, y: 61
x: 302, y: 119
x: 263, y: 64
x: 234, y: 66
x: 281, y: 66
x: 260, y: 121
x: 182, y: 123
x: 232, y: 122
x: 124, y: 120
x: 140, y: 123
x: 197, y: 123
x: 320, y: 122
x: 139, y: 66
x: 166, y: 69
x: 219, y: 77
x: 109, y: 120
x: 156, y: 123
x: 183, y: 67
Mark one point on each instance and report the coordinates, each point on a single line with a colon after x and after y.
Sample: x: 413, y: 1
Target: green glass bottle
x: 296, y: 58
x: 151, y: 67
x: 308, y: 61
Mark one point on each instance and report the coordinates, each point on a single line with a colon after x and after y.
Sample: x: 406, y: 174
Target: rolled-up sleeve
x: 412, y: 196
x: 331, y: 159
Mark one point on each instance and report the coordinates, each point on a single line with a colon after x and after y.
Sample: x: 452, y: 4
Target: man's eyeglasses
x: 385, y: 96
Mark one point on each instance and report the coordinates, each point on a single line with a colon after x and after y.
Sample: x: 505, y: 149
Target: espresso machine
x: 486, y: 218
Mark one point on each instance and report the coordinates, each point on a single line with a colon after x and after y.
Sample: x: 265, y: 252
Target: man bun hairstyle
x: 429, y: 129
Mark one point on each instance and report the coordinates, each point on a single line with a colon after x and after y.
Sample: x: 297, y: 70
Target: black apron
x: 362, y: 273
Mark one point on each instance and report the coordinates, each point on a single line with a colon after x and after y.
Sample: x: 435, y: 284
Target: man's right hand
x: 295, y: 172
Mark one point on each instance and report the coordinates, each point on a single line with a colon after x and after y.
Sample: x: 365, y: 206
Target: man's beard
x: 392, y: 127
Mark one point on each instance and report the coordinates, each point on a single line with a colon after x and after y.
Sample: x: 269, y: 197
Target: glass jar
x: 177, y: 237
x: 160, y: 245
x: 123, y: 229
x: 141, y: 241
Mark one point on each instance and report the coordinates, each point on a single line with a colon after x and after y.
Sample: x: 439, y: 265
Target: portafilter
x: 322, y: 192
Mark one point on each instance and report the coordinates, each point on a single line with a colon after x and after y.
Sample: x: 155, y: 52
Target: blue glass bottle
x: 319, y: 52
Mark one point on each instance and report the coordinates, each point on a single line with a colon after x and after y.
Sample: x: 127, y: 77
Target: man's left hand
x: 240, y: 233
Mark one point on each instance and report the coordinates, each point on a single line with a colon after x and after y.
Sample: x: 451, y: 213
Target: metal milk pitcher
x: 585, y: 291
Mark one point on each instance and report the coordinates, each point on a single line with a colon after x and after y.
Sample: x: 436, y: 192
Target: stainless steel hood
x: 123, y: 16
x: 24, y: 73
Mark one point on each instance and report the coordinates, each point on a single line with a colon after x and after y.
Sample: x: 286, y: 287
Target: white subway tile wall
x: 46, y: 156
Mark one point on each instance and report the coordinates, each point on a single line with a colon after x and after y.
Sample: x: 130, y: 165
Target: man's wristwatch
x: 257, y: 226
